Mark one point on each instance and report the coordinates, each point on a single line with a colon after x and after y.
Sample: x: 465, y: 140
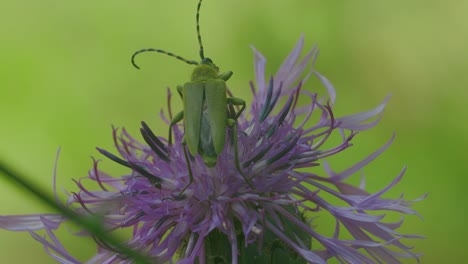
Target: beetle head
x: 209, y: 62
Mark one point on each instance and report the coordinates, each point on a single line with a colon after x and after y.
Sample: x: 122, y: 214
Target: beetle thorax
x: 205, y: 71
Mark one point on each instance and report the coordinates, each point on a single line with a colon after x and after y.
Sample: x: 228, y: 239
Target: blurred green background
x: 66, y: 77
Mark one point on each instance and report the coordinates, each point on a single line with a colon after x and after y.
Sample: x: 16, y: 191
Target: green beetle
x: 207, y: 109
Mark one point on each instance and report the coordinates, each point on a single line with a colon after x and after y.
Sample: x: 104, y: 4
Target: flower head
x: 259, y: 207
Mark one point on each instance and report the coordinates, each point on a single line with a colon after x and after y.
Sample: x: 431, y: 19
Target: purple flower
x: 281, y: 145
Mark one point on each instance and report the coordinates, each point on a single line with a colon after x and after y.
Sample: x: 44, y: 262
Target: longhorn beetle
x: 205, y: 112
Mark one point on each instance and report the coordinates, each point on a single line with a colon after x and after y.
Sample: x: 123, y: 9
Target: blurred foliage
x: 66, y: 77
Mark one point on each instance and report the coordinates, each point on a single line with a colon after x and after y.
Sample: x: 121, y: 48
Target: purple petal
x: 30, y: 222
x: 330, y: 89
x: 355, y: 122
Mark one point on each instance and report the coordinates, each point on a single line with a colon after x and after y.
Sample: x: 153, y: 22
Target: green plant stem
x: 89, y: 224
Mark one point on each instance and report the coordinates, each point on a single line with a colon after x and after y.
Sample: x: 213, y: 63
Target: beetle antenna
x: 198, y: 30
x: 163, y: 52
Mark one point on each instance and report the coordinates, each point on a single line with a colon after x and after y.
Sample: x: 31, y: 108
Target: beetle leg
x: 237, y: 101
x: 177, y: 118
x: 225, y: 76
x: 232, y: 123
x: 179, y: 90
x: 231, y: 112
x: 189, y: 169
